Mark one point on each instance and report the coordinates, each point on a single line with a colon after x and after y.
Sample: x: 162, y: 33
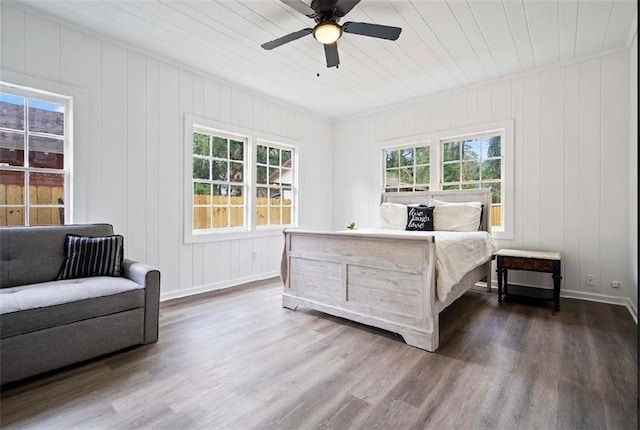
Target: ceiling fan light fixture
x: 327, y: 32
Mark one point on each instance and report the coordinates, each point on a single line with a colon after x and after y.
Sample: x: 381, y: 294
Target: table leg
x: 556, y: 292
x: 499, y: 274
x: 505, y: 282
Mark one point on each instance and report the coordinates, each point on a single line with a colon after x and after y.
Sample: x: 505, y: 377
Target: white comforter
x: 456, y: 254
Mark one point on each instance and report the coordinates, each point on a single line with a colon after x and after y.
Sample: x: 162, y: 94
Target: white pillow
x: 394, y: 216
x: 449, y: 216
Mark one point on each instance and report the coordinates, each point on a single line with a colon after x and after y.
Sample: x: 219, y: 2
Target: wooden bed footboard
x: 384, y: 281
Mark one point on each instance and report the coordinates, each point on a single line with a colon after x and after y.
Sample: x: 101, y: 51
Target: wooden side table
x: 535, y: 261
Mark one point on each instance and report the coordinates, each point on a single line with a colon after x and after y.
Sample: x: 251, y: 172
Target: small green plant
x: 351, y: 225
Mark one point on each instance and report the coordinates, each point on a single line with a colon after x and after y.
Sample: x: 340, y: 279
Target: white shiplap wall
x: 633, y: 172
x: 571, y: 144
x: 128, y: 172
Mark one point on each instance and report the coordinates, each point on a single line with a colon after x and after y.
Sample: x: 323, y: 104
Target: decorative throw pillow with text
x: 419, y: 218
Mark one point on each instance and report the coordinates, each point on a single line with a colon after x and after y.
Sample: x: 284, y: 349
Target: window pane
x: 262, y: 215
x: 422, y: 174
x: 219, y: 170
x: 220, y: 195
x: 274, y: 195
x: 48, y: 189
x: 11, y: 111
x: 451, y: 187
x: 471, y: 150
x: 237, y: 172
x: 200, y: 168
x: 237, y: 195
x: 201, y: 194
x: 46, y: 216
x: 287, y: 196
x: 286, y: 214
x: 451, y: 151
x: 274, y: 215
x: 492, y: 147
x: 451, y: 172
x: 286, y: 158
x: 236, y: 150
x: 495, y: 191
x: 262, y: 175
x: 220, y: 217
x: 219, y: 147
x: 406, y: 157
x: 11, y: 188
x: 286, y: 176
x: 393, y: 158
x: 236, y: 216
x: 491, y: 169
x: 262, y: 154
x: 46, y: 152
x: 201, y: 218
x: 46, y: 117
x: 274, y: 157
x: 12, y: 148
x: 471, y: 171
x: 406, y: 176
x: 422, y: 155
x: 262, y: 193
x: 274, y: 175
x: 201, y: 144
x: 392, y: 178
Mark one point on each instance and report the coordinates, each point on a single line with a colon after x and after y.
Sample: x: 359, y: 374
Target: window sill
x: 232, y: 235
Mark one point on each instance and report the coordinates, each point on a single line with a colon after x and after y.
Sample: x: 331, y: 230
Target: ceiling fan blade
x: 372, y: 30
x: 286, y: 39
x: 300, y: 7
x: 343, y: 7
x: 331, y: 52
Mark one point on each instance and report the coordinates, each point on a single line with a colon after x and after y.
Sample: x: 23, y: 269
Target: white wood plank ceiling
x: 445, y: 44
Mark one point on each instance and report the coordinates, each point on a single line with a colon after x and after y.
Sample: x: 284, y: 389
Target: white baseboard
x: 592, y: 297
x: 217, y: 286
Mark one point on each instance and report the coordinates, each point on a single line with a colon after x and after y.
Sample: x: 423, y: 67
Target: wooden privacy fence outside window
x: 38, y: 195
x: 205, y: 207
x: 269, y: 211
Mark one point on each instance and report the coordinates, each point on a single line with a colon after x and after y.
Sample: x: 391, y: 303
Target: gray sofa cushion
x: 29, y: 255
x: 34, y: 307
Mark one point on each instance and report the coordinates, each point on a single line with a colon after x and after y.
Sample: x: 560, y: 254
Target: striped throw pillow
x: 92, y: 256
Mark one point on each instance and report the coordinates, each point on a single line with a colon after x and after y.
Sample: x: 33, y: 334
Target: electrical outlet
x: 591, y: 280
x: 615, y: 284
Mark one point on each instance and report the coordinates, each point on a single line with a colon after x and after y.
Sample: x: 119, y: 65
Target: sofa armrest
x: 148, y: 277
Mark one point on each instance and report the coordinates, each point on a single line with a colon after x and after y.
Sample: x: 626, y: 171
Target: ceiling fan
x: 327, y: 14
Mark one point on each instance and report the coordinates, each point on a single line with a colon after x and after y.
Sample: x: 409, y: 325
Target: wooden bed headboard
x: 482, y: 195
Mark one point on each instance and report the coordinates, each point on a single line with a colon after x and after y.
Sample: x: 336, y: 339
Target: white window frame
x: 67, y: 102
x: 434, y: 140
x: 253, y: 138
x: 413, y: 146
x: 294, y: 182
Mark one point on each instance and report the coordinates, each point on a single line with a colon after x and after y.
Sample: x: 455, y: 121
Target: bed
x: 388, y: 278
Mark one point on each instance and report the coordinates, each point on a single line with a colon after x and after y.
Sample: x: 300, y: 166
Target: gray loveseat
x: 46, y: 324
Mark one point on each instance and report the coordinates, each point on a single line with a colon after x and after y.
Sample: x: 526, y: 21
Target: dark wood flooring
x: 238, y: 360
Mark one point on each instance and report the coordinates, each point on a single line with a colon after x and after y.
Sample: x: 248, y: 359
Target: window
x: 274, y: 185
x: 219, y: 186
x: 407, y: 169
x: 238, y: 183
x: 474, y: 162
x: 473, y: 157
x: 33, y: 173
